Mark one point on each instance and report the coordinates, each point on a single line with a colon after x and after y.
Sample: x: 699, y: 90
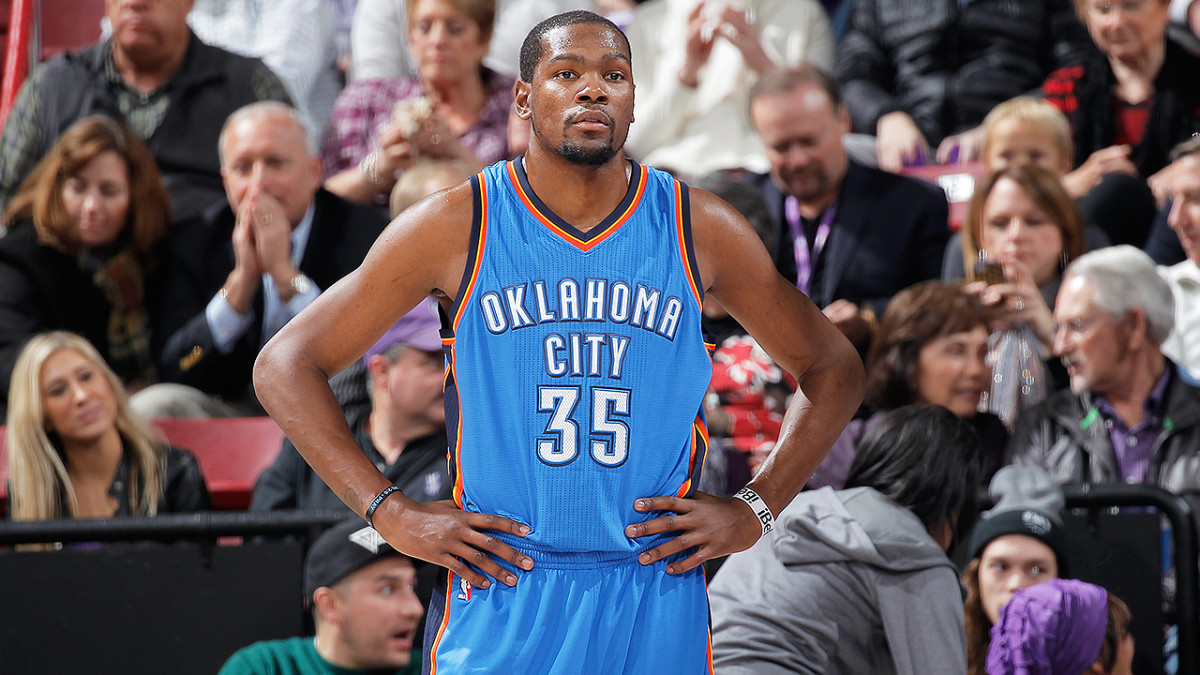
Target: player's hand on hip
x: 458, y: 540
x: 714, y: 526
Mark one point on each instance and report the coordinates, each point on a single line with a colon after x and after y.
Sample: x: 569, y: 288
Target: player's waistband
x: 555, y: 559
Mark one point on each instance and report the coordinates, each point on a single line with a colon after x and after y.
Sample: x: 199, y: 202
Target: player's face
x: 580, y: 102
x: 802, y: 134
x: 379, y: 612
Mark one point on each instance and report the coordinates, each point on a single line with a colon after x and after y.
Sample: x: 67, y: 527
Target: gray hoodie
x: 849, y: 582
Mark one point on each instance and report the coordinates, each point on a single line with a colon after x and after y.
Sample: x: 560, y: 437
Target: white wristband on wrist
x: 760, y: 508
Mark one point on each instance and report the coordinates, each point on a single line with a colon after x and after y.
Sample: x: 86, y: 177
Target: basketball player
x: 571, y: 280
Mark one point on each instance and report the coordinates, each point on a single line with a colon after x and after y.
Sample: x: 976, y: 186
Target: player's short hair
x: 531, y: 49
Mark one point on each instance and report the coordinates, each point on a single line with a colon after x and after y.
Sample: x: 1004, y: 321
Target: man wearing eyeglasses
x: 1128, y: 416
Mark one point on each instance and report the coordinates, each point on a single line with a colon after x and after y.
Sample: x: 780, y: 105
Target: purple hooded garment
x: 1053, y: 628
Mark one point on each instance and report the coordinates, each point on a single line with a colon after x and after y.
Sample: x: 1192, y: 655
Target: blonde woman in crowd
x: 75, y: 448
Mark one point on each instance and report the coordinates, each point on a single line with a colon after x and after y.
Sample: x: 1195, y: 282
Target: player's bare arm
x: 423, y: 251
x: 736, y: 270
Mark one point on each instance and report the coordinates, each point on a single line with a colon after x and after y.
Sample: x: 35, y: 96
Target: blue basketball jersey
x: 577, y: 366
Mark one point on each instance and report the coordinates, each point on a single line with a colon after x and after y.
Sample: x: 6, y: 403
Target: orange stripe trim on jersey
x: 683, y: 248
x: 457, y: 468
x: 483, y: 226
x: 699, y: 431
x: 437, y: 641
x: 578, y: 243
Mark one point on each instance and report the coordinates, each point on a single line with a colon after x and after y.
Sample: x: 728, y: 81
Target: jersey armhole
x: 683, y: 221
x: 479, y: 213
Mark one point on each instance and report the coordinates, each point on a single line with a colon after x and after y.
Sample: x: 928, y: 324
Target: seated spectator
x: 171, y: 88
x: 1062, y: 627
x: 850, y: 236
x: 1183, y: 346
x: 1019, y: 542
x: 236, y: 275
x: 380, y: 55
x: 1134, y: 98
x: 922, y: 75
x: 1128, y: 417
x: 77, y: 450
x: 404, y: 433
x: 1023, y: 226
x: 454, y: 108
x: 857, y: 580
x: 295, y: 38
x: 931, y: 347
x: 694, y: 63
x: 83, y: 236
x: 1024, y: 130
x: 364, y: 606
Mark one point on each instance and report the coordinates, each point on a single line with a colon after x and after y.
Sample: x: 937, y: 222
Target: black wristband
x: 370, y: 514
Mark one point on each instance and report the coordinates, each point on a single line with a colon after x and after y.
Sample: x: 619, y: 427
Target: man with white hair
x: 1128, y: 417
x: 238, y: 273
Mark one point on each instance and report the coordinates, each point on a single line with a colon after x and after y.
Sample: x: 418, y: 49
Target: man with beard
x: 571, y: 280
x: 848, y: 235
x: 1128, y: 417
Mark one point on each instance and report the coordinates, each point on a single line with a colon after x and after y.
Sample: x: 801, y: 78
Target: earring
x: 1062, y: 261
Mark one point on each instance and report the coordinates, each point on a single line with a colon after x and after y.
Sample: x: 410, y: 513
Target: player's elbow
x: 847, y: 366
x: 270, y: 372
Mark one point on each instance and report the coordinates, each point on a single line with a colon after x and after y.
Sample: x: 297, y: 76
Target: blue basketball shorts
x: 570, y: 619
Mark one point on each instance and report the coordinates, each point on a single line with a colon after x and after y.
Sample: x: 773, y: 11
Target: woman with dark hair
x: 1025, y: 229
x: 857, y: 580
x: 82, y: 234
x: 930, y: 347
x: 77, y: 450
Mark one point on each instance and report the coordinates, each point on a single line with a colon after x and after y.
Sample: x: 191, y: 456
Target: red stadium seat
x: 958, y: 182
x: 231, y: 451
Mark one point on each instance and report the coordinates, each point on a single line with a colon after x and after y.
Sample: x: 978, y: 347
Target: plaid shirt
x: 365, y: 107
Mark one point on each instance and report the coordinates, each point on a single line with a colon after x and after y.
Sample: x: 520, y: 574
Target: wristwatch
x: 301, y: 284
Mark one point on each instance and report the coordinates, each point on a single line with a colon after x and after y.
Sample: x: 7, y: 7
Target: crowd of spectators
x: 175, y: 193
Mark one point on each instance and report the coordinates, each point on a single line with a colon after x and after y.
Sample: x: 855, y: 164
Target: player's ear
x: 521, y: 99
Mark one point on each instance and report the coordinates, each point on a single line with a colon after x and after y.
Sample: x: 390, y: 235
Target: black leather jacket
x: 1053, y: 435
x: 946, y: 64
